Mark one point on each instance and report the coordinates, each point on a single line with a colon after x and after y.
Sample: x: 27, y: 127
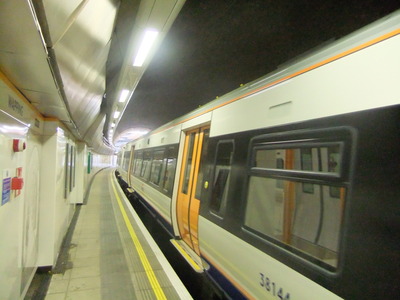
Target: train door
x: 190, y: 183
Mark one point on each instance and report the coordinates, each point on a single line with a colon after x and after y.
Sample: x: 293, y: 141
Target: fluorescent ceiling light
x: 148, y: 41
x: 112, y: 125
x: 116, y: 114
x: 123, y: 96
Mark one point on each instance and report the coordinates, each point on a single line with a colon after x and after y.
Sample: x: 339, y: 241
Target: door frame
x: 199, y: 122
x: 187, y: 205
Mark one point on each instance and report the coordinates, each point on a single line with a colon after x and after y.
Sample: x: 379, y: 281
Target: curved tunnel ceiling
x: 59, y: 55
x: 71, y: 59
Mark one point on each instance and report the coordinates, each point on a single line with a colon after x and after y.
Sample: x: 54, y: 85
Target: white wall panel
x: 19, y: 211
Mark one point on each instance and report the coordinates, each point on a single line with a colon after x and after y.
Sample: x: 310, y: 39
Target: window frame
x: 159, y: 175
x: 301, y: 174
x: 344, y: 137
x: 170, y: 152
x: 147, y: 157
x: 220, y: 213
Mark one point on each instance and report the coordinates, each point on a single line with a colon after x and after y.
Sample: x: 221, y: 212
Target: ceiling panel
x: 24, y: 59
x: 35, y: 74
x: 18, y: 32
x: 61, y: 14
x: 81, y: 54
x: 46, y: 104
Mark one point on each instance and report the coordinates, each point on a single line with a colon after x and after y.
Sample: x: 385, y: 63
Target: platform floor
x: 111, y: 255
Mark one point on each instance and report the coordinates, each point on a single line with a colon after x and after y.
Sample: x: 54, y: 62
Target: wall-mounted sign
x: 6, y: 187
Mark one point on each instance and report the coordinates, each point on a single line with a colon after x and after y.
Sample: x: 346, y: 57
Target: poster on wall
x: 6, y: 187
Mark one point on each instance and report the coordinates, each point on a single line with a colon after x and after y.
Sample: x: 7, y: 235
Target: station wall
x: 45, y: 173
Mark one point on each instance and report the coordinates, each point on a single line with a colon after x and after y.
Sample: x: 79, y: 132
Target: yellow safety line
x: 142, y: 255
x: 187, y: 256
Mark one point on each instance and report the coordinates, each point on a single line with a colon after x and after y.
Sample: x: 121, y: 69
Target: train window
x: 200, y: 176
x: 222, y: 170
x: 145, y: 171
x: 138, y: 163
x: 132, y: 164
x: 156, y: 166
x: 296, y: 196
x: 310, y: 223
x: 300, y: 159
x: 306, y: 164
x: 132, y: 161
x: 189, y: 162
x: 169, y: 167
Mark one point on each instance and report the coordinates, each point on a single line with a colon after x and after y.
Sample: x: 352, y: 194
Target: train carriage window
x: 169, y: 167
x: 296, y: 195
x: 146, y: 165
x: 132, y: 164
x: 156, y: 167
x: 306, y: 164
x: 301, y: 159
x: 222, y: 169
x: 189, y: 162
x: 334, y: 156
x: 138, y: 163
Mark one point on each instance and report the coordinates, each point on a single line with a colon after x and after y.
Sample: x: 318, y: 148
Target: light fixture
x: 123, y: 96
x: 148, y: 40
x: 112, y: 125
x: 116, y: 114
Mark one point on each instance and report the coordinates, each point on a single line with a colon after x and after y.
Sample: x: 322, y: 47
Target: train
x: 287, y: 187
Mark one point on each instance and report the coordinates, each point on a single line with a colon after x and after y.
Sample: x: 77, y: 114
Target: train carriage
x: 287, y: 188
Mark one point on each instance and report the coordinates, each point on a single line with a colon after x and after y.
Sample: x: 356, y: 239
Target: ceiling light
x: 112, y: 125
x: 116, y: 114
x: 148, y: 41
x: 123, y: 96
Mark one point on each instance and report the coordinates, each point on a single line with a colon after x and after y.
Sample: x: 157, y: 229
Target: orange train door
x: 188, y: 202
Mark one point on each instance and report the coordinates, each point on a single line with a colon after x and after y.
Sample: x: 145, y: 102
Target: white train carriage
x: 287, y: 188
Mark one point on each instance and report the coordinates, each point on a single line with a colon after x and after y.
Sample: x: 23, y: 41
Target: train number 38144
x: 271, y: 287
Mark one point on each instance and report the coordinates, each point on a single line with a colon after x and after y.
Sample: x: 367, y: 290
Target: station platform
x: 111, y: 254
